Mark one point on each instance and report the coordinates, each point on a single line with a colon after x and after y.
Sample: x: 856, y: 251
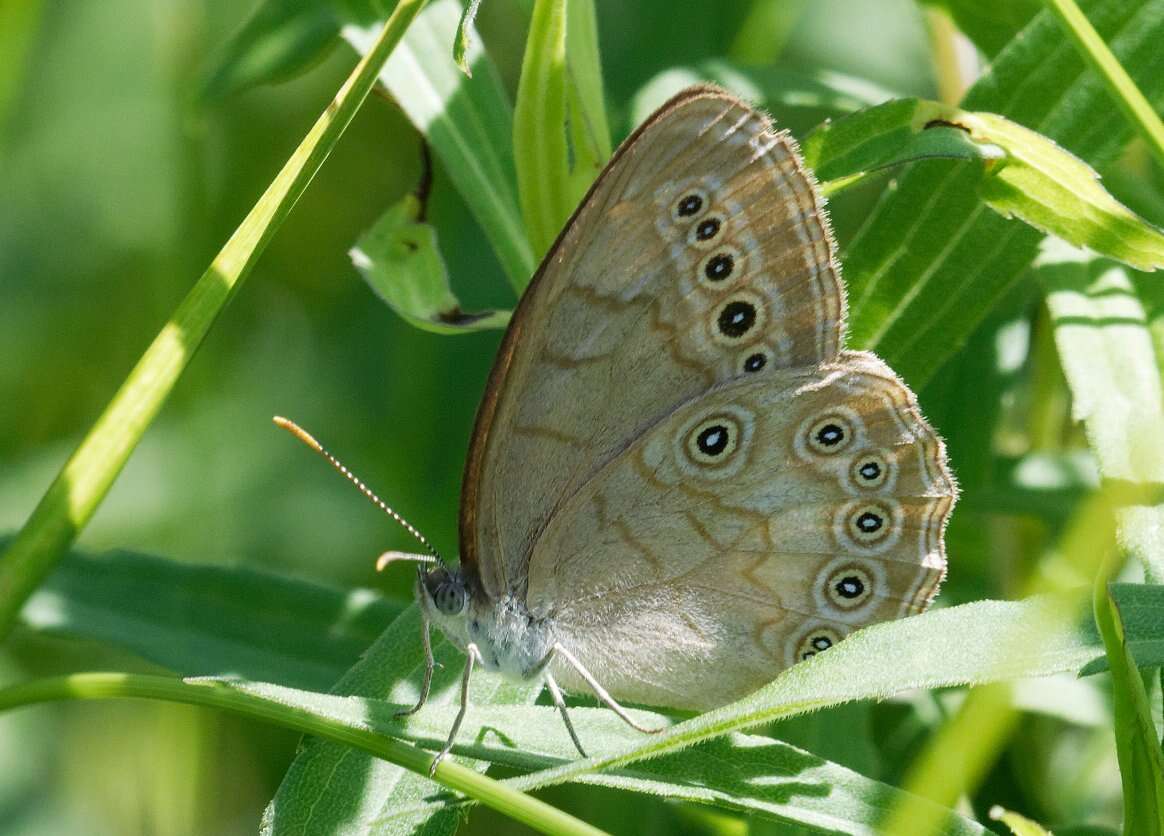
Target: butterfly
x: 679, y: 482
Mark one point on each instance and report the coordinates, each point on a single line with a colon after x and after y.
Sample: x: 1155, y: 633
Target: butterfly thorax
x: 511, y: 641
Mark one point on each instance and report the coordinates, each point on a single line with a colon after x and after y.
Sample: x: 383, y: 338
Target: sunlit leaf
x: 1025, y: 174
x: 933, y: 259
x: 1101, y: 322
x: 1019, y: 825
x: 770, y: 87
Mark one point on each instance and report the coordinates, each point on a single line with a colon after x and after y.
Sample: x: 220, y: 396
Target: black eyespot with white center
x: 816, y: 640
x: 850, y: 586
x: 755, y: 362
x: 706, y: 229
x: 713, y: 440
x: 869, y: 471
x: 869, y: 524
x: 736, y: 318
x: 712, y: 444
x: 719, y: 267
x: 829, y: 434
x: 689, y: 205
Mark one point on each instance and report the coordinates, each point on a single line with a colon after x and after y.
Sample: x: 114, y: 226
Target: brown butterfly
x: 680, y: 483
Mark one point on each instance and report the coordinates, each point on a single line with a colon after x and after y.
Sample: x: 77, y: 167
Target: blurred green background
x: 117, y: 187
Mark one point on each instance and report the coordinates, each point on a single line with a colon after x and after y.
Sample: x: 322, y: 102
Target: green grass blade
x: 560, y: 134
x: 468, y: 123
x: 401, y: 261
x: 210, y: 620
x: 276, y: 705
x: 990, y: 25
x: 89, y: 473
x: 932, y: 259
x: 1140, y: 757
x: 1136, y: 108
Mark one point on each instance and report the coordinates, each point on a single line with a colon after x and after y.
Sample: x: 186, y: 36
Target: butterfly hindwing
x: 759, y: 523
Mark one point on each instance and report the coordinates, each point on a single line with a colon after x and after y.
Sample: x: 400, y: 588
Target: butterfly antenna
x: 307, y: 438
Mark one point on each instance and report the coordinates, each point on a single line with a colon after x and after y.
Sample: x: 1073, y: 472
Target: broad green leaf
x: 960, y: 645
x: 560, y: 136
x: 464, y: 36
x: 400, y: 259
x: 826, y: 797
x: 1140, y: 757
x: 467, y: 122
x: 969, y: 644
x: 280, y: 39
x: 932, y: 259
x: 769, y: 87
x: 990, y: 24
x: 1026, y: 175
x: 1114, y: 373
x: 85, y: 479
x: 331, y: 788
x: 1019, y: 825
x: 210, y: 620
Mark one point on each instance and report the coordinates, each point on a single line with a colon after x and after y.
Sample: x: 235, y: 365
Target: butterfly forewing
x: 700, y: 256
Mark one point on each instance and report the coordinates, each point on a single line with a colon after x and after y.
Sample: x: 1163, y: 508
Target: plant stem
x: 89, y: 473
x: 213, y: 694
x: 1091, y: 46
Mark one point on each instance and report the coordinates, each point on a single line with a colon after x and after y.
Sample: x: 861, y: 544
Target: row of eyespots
x: 833, y: 434
x: 740, y: 316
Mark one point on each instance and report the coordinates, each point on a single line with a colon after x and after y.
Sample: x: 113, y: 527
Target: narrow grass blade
x: 560, y: 135
x: 1138, y: 748
x: 90, y: 471
x: 284, y: 707
x: 1127, y: 95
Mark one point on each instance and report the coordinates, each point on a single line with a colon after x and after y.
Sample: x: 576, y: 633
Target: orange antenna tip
x: 391, y: 557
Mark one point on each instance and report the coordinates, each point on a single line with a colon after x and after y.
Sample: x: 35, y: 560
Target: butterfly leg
x: 472, y: 655
x: 601, y: 692
x: 560, y: 702
x: 429, y: 664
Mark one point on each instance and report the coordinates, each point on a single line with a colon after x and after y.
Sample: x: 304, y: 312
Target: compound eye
x: 450, y: 598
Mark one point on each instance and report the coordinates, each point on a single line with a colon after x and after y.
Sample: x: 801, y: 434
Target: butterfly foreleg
x: 472, y: 655
x: 602, y: 694
x: 560, y: 702
x: 429, y: 662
